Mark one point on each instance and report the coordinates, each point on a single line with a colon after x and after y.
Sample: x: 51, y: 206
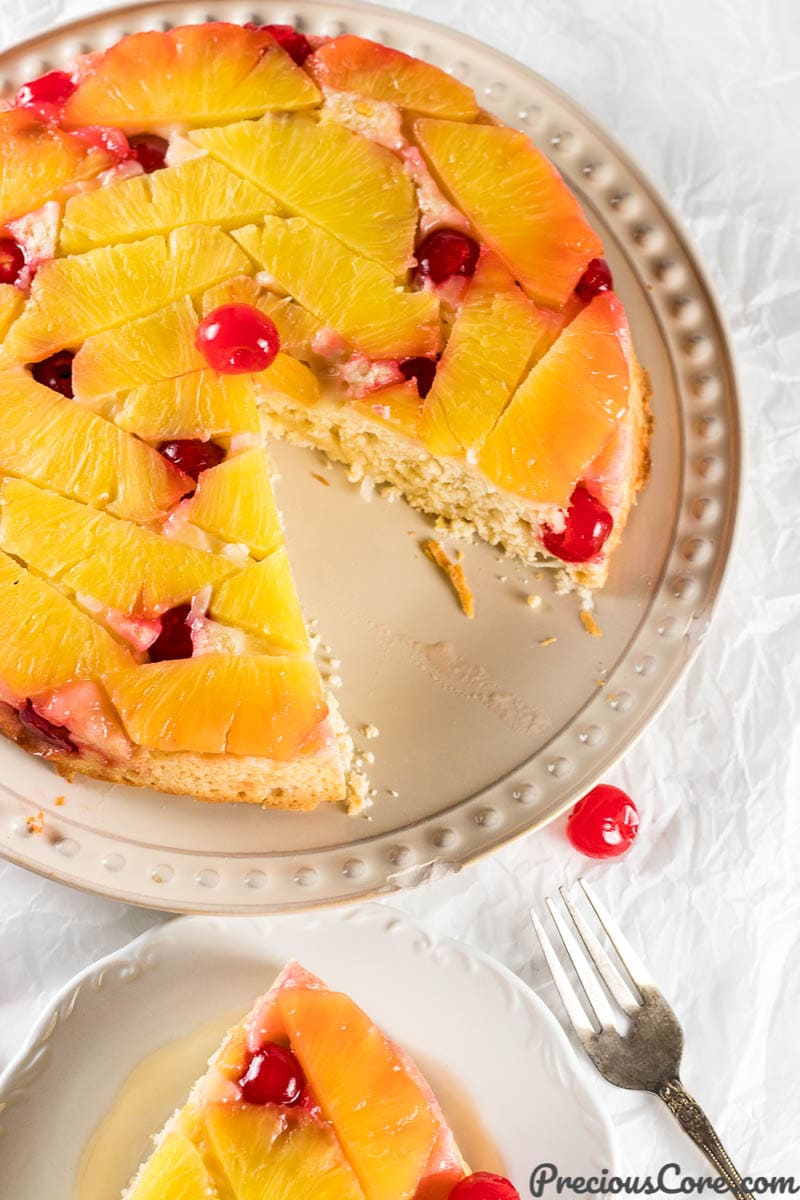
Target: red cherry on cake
x: 586, y: 531
x: 604, y: 823
x: 57, y: 737
x: 237, y: 338
x: 175, y: 638
x: 149, y: 150
x: 273, y: 1076
x: 12, y: 259
x: 445, y: 253
x: 595, y: 279
x: 421, y: 369
x: 55, y: 372
x: 192, y: 456
x: 295, y: 44
x: 47, y: 95
x: 484, y: 1186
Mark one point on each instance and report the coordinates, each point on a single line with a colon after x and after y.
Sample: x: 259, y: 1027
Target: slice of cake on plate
x: 306, y: 1097
x: 221, y: 233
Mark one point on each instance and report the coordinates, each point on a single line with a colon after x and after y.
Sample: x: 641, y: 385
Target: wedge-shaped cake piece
x: 58, y: 444
x: 262, y: 705
x: 345, y: 183
x: 496, y: 335
x: 261, y: 599
x: 354, y: 64
x: 120, y: 564
x: 200, y: 191
x: 516, y: 201
x: 307, y: 1097
x: 201, y: 405
x: 38, y: 160
x: 565, y: 410
x: 194, y: 74
x: 158, y: 346
x: 355, y: 297
x: 47, y: 641
x: 83, y: 294
x: 234, y: 502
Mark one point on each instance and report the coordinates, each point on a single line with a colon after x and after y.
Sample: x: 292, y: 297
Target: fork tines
x: 627, y: 993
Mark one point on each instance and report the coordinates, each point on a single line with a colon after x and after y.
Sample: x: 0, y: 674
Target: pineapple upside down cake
x: 217, y: 234
x: 307, y: 1098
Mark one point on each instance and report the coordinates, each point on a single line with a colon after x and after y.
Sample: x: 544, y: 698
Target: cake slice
x: 307, y: 1097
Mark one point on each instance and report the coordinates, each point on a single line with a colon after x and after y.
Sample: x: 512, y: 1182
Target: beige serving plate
x: 484, y: 732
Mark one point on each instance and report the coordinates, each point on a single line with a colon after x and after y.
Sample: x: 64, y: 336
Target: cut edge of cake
x: 451, y: 489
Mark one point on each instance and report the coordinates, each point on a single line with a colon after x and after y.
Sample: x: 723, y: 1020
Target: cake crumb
x: 393, y: 793
x: 36, y: 823
x: 370, y: 731
x: 59, y: 800
x: 548, y: 641
x: 589, y: 623
x: 436, y: 552
x: 321, y: 479
x: 533, y: 601
x: 600, y: 682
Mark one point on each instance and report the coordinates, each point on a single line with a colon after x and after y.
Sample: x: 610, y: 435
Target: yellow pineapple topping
x: 220, y: 231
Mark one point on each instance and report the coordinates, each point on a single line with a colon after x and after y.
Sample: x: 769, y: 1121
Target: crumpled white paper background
x: 706, y: 97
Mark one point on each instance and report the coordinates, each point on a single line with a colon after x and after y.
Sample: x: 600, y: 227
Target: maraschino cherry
x: 296, y: 45
x: 149, y: 150
x: 12, y: 259
x: 273, y: 1076
x: 55, y: 372
x: 484, y: 1186
x: 604, y: 823
x: 588, y: 525
x: 47, y: 95
x: 595, y: 279
x: 236, y: 339
x: 192, y: 456
x: 445, y: 253
x: 175, y: 638
x: 421, y: 369
x: 57, y: 737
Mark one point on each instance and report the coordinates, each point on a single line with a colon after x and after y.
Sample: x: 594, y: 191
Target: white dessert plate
x: 484, y: 731
x: 109, y: 1060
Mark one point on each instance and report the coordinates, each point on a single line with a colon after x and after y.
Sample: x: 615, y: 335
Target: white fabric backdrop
x: 706, y: 96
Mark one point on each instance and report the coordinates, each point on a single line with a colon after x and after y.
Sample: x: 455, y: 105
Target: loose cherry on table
x: 149, y: 150
x: 55, y: 372
x: 175, y: 638
x: 57, y: 737
x: 12, y: 259
x: 604, y: 823
x: 445, y: 253
x: 595, y: 279
x: 484, y: 1186
x: 192, y: 456
x: 421, y: 369
x: 272, y: 1076
x: 47, y: 95
x: 588, y: 525
x: 236, y: 339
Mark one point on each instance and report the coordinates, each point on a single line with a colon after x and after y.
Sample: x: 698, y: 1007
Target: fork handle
x: 692, y: 1120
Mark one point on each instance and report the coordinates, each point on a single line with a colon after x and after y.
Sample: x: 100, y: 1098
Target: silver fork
x: 648, y: 1057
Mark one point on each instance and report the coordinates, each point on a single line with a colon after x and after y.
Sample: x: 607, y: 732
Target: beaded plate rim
x: 696, y: 340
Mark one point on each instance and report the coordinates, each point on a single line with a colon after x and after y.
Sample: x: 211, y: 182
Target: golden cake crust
x: 300, y: 785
